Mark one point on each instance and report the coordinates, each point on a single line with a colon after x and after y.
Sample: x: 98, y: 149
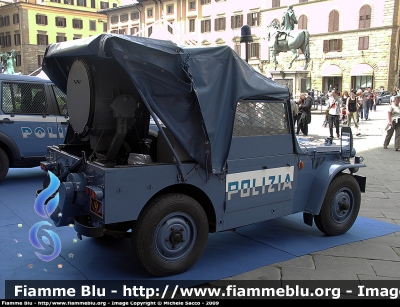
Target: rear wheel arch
x: 199, y: 195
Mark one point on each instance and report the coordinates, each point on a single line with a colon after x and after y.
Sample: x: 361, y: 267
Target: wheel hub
x: 176, y: 237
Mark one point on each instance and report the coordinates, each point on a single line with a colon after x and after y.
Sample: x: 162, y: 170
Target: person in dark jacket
x: 305, y: 104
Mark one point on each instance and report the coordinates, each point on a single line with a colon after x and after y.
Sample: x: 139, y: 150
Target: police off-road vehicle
x: 225, y: 156
x: 33, y: 116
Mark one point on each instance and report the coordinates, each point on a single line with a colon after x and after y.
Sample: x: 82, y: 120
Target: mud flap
x: 362, y: 181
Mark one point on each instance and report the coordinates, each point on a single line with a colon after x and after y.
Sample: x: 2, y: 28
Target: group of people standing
x: 357, y: 105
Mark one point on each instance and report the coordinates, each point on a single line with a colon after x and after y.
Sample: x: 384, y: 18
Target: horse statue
x: 283, y: 40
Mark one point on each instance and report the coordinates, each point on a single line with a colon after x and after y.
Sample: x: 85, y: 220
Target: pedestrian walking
x: 393, y: 125
x: 367, y: 101
x: 360, y: 108
x: 351, y: 110
x: 305, y: 104
x: 373, y: 105
x: 334, y: 113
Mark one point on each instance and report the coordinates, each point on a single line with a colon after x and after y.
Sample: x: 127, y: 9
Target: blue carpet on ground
x: 227, y: 254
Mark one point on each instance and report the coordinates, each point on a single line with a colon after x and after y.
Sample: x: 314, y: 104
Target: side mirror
x: 346, y: 143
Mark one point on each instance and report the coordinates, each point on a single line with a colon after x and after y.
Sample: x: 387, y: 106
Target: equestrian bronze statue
x: 283, y: 37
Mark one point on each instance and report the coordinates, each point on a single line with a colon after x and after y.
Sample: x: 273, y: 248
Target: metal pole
x: 246, y: 38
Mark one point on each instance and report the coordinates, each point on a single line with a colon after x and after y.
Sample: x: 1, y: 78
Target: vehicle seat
x: 39, y: 103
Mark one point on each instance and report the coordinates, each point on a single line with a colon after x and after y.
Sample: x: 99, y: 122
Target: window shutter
x: 224, y: 23
x: 325, y: 46
x: 339, y: 44
x: 45, y: 20
x: 202, y: 1
x: 232, y: 22
x: 360, y: 43
x: 38, y: 38
x: 336, y: 21
x: 367, y: 16
x: 330, y: 22
x: 37, y: 19
x: 216, y: 24
x: 257, y: 50
x: 302, y: 22
x: 361, y: 22
x: 241, y: 20
x: 249, y: 19
x: 202, y: 26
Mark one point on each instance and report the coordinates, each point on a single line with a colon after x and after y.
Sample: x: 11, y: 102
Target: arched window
x: 302, y: 24
x: 333, y: 21
x: 365, y: 17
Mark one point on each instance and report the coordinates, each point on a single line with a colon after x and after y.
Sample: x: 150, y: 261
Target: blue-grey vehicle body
x: 224, y: 155
x: 31, y: 119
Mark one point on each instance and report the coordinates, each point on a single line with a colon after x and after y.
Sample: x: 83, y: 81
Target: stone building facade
x: 366, y: 31
x: 353, y: 44
x: 29, y: 26
x: 361, y: 37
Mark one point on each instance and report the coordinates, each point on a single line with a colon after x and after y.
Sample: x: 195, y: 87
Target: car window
x: 23, y: 98
x: 61, y: 100
x: 260, y: 118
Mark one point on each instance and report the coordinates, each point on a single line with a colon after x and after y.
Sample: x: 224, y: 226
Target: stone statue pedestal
x: 298, y: 81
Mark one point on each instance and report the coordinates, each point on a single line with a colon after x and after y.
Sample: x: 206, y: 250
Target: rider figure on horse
x: 288, y: 21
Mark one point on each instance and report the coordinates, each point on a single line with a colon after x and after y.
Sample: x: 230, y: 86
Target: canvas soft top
x: 193, y: 90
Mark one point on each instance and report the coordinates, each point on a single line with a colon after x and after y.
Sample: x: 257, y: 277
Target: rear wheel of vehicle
x: 4, y: 164
x: 170, y: 234
x: 340, y: 207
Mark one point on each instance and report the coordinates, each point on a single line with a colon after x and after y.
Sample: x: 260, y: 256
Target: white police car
x: 33, y: 115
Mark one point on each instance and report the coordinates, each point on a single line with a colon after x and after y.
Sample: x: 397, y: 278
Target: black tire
x: 340, y: 207
x: 4, y: 164
x: 379, y: 101
x: 170, y: 234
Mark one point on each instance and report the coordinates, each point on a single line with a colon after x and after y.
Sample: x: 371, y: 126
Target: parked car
x: 383, y: 97
x: 33, y: 115
x: 224, y: 159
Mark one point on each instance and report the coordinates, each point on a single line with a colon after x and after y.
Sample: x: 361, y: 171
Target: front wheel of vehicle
x: 170, y: 234
x: 379, y: 101
x: 4, y: 164
x: 340, y: 207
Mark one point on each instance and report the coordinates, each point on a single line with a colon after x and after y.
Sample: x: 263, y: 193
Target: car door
x: 26, y: 117
x: 261, y: 176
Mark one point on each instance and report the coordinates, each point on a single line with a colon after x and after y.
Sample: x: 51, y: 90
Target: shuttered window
x: 332, y: 45
x: 276, y: 3
x: 365, y: 17
x: 254, y: 50
x: 333, y: 21
x: 363, y: 43
x: 205, y: 25
x: 41, y: 19
x: 302, y: 24
x: 220, y: 24
x: 253, y: 19
x: 236, y: 21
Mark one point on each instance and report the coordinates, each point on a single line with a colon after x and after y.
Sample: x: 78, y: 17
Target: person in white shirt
x: 334, y: 113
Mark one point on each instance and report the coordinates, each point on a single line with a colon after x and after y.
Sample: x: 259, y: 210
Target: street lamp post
x: 245, y: 37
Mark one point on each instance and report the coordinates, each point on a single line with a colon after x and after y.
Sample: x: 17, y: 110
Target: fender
x: 10, y: 144
x: 320, y: 183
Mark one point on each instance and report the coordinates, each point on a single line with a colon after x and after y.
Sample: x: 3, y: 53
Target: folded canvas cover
x: 193, y: 90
